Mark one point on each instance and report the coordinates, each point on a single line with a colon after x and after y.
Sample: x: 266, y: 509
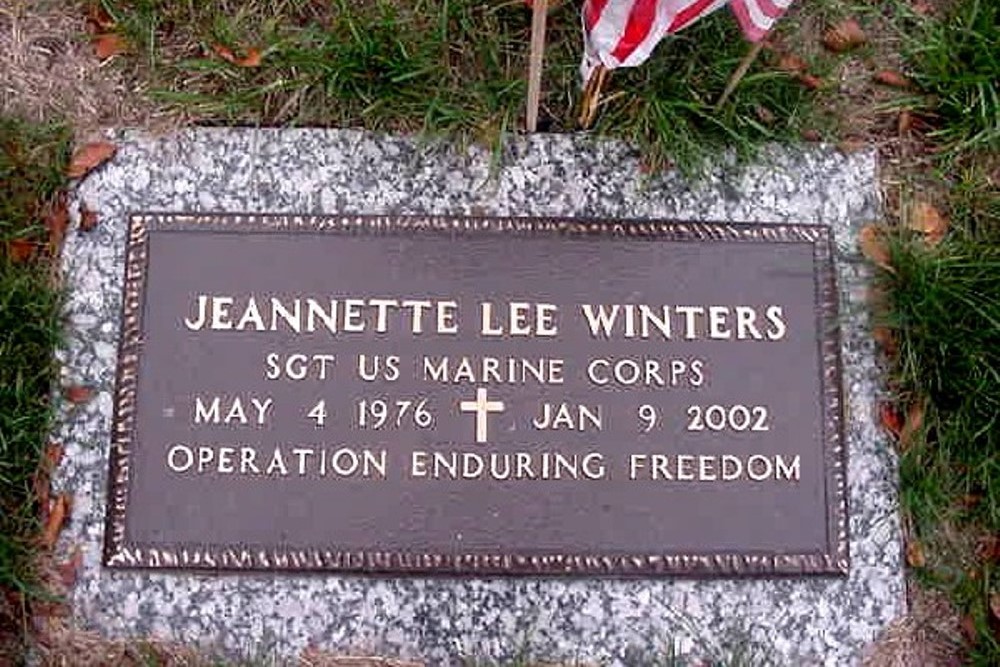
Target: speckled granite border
x: 440, y: 620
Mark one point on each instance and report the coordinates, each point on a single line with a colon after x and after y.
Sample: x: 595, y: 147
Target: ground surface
x: 822, y: 620
x: 938, y: 150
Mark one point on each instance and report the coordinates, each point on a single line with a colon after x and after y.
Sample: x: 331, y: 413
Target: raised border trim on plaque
x: 118, y: 552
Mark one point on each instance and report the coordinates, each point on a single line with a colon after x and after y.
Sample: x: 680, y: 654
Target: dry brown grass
x: 48, y: 71
x: 929, y: 635
x: 61, y: 644
x: 316, y: 658
x: 58, y: 640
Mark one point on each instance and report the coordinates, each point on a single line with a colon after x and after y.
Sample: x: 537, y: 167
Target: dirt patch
x: 48, y: 71
x: 930, y: 635
x: 862, y: 109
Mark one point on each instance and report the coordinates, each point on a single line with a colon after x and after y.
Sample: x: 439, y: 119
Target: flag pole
x: 592, y: 95
x: 539, y: 13
x: 740, y: 72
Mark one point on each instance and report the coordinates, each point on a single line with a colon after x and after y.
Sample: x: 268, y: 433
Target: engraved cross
x: 482, y: 407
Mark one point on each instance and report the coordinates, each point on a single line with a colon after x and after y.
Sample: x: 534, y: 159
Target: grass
x: 975, y: 201
x: 944, y: 307
x: 668, y: 106
x: 453, y: 67
x: 374, y: 64
x: 956, y: 63
x: 31, y: 167
x: 733, y: 644
x: 31, y: 159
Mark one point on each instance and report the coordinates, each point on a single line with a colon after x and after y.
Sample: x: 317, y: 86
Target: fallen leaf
x: 888, y: 77
x: 968, y: 627
x: 874, y: 247
x: 21, y: 250
x: 810, y: 81
x: 911, y: 427
x: 68, y: 569
x: 876, y: 298
x: 923, y: 7
x: 44, y: 609
x: 886, y: 339
x: 994, y: 618
x: 988, y: 549
x: 764, y: 114
x: 970, y: 500
x: 88, y: 218
x: 844, y: 36
x: 851, y: 145
x: 51, y: 458
x: 927, y: 220
x: 892, y: 197
x: 792, y: 64
x: 40, y: 485
x: 915, y: 554
x: 252, y: 57
x: 98, y: 17
x: 57, y: 221
x: 905, y: 122
x: 53, y: 455
x: 90, y: 156
x: 224, y: 52
x: 78, y: 393
x: 108, y: 44
x: 890, y: 418
x: 57, y: 517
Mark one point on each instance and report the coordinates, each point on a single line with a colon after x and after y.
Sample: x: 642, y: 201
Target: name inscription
x: 402, y: 393
x: 420, y: 316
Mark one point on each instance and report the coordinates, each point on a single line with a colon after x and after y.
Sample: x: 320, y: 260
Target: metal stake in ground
x: 539, y: 13
x: 592, y: 95
x: 739, y: 73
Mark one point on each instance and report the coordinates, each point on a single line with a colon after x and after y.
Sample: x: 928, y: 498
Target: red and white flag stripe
x: 623, y: 33
x: 757, y: 17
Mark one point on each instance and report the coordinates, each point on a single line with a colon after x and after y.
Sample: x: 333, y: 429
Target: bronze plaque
x: 478, y: 396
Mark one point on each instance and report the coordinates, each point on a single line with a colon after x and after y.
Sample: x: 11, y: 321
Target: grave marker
x: 478, y: 395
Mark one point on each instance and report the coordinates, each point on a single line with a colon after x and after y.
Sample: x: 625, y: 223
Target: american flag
x: 623, y: 33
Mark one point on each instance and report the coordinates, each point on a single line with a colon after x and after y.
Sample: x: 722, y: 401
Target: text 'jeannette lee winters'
x: 444, y: 317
